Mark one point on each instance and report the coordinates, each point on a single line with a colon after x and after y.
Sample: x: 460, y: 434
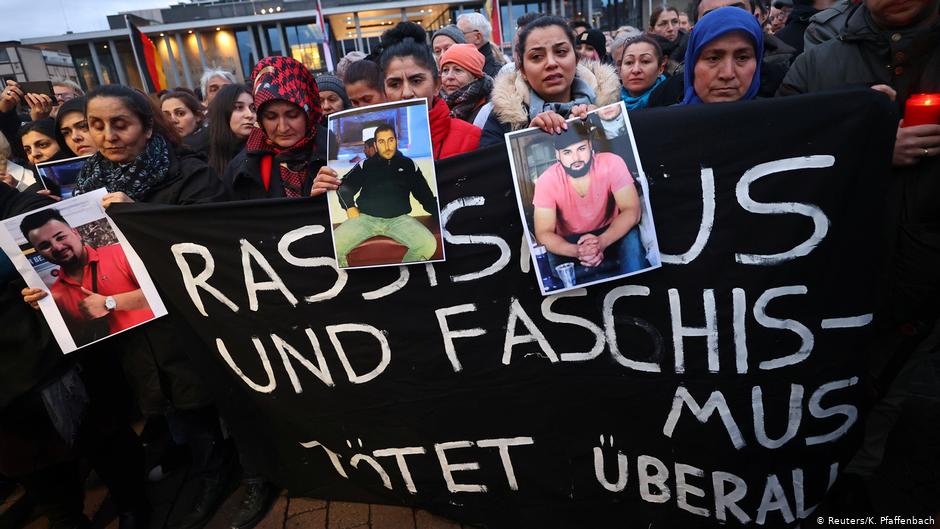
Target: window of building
x: 246, y: 51
x: 303, y: 41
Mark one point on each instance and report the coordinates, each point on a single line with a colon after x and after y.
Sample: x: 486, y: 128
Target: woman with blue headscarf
x: 723, y: 60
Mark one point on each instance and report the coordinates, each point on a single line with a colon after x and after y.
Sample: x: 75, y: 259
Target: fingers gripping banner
x: 721, y: 388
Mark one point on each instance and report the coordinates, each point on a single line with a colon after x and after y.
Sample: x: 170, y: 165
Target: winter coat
x: 491, y: 64
x: 908, y: 60
x: 450, y: 136
x: 509, y: 103
x: 828, y: 23
x: 157, y: 354
x: 385, y: 187
x: 243, y: 181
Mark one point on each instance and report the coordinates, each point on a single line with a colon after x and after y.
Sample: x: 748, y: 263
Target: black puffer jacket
x: 157, y: 354
x: 242, y: 178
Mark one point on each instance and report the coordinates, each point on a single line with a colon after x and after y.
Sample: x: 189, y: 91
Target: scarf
x: 716, y: 24
x: 581, y: 94
x: 135, y: 178
x: 286, y: 79
x: 635, y: 103
x: 463, y: 101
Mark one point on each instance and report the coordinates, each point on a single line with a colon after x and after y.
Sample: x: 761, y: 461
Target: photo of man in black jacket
x: 376, y: 195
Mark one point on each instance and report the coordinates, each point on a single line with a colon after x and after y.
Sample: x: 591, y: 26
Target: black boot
x: 211, y: 496
x: 259, y: 496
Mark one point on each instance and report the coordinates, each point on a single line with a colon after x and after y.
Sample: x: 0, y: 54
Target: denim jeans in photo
x: 404, y: 229
x: 624, y: 256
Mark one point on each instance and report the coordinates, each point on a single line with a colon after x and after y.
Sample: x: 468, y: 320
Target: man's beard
x: 578, y: 173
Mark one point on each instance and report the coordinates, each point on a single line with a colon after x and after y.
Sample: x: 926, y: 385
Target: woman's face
x: 640, y: 68
x: 440, y: 45
x: 182, y: 118
x: 330, y: 102
x: 406, y: 79
x: 243, y: 116
x: 587, y: 53
x: 361, y: 94
x: 725, y: 68
x: 284, y: 123
x: 454, y: 77
x: 667, y: 25
x: 549, y: 63
x: 74, y: 129
x: 39, y: 147
x: 118, y: 132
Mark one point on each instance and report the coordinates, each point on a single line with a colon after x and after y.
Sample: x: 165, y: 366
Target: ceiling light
x: 218, y: 29
x: 263, y: 11
x: 278, y: 8
x: 161, y: 34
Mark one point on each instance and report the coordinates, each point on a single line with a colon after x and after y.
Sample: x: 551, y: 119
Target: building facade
x: 234, y: 34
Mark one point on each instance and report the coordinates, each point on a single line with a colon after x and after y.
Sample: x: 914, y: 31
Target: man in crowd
x: 585, y: 204
x: 64, y: 90
x: 96, y: 290
x: 385, y: 184
x: 799, y: 20
x: 894, y: 47
x: 212, y: 81
x: 477, y: 30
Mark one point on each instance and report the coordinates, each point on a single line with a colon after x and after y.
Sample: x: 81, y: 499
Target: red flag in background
x: 148, y: 62
x: 492, y: 8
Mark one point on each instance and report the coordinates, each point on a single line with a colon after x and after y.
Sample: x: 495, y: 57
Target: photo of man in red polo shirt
x: 95, y: 289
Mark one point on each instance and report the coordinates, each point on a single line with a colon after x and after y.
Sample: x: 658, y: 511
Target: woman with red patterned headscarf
x: 285, y: 150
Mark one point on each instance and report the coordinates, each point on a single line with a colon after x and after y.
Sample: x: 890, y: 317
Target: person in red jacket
x: 409, y: 72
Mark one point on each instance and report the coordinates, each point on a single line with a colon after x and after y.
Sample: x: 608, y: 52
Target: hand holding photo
x: 97, y: 283
x: 584, y: 201
x: 385, y: 211
x: 59, y: 176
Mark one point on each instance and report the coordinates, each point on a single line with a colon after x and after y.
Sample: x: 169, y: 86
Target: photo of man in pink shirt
x: 586, y: 210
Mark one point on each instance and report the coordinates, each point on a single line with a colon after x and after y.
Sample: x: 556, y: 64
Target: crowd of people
x: 267, y: 138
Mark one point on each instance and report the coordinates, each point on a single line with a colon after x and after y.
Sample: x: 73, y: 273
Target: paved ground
x: 287, y: 512
x: 173, y: 497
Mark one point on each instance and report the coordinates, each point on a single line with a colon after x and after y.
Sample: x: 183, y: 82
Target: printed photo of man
x: 586, y: 209
x: 376, y: 195
x: 95, y: 289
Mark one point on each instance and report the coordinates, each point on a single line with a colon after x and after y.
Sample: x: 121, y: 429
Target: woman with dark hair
x: 664, y: 27
x: 363, y: 83
x: 724, y: 58
x: 139, y: 159
x: 409, y: 71
x: 188, y: 117
x: 289, y: 145
x: 548, y: 84
x: 41, y: 143
x: 231, y: 118
x: 72, y: 127
x: 641, y: 71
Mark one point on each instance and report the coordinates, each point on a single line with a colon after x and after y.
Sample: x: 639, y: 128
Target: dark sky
x: 41, y: 18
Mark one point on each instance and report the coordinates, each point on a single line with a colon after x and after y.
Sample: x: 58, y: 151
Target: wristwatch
x: 110, y: 303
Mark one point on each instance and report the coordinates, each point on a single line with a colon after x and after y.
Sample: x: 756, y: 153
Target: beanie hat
x: 595, y: 39
x: 451, y: 32
x: 331, y: 83
x: 466, y: 56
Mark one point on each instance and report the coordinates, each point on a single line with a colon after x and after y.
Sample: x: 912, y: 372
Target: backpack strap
x: 266, y: 161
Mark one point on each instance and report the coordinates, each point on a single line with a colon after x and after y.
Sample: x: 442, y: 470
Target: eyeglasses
x: 62, y: 98
x: 471, y: 31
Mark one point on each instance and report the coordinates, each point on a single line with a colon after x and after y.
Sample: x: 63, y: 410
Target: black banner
x: 721, y: 388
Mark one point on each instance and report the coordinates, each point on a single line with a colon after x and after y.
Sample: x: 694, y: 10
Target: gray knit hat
x: 450, y: 31
x: 331, y: 83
